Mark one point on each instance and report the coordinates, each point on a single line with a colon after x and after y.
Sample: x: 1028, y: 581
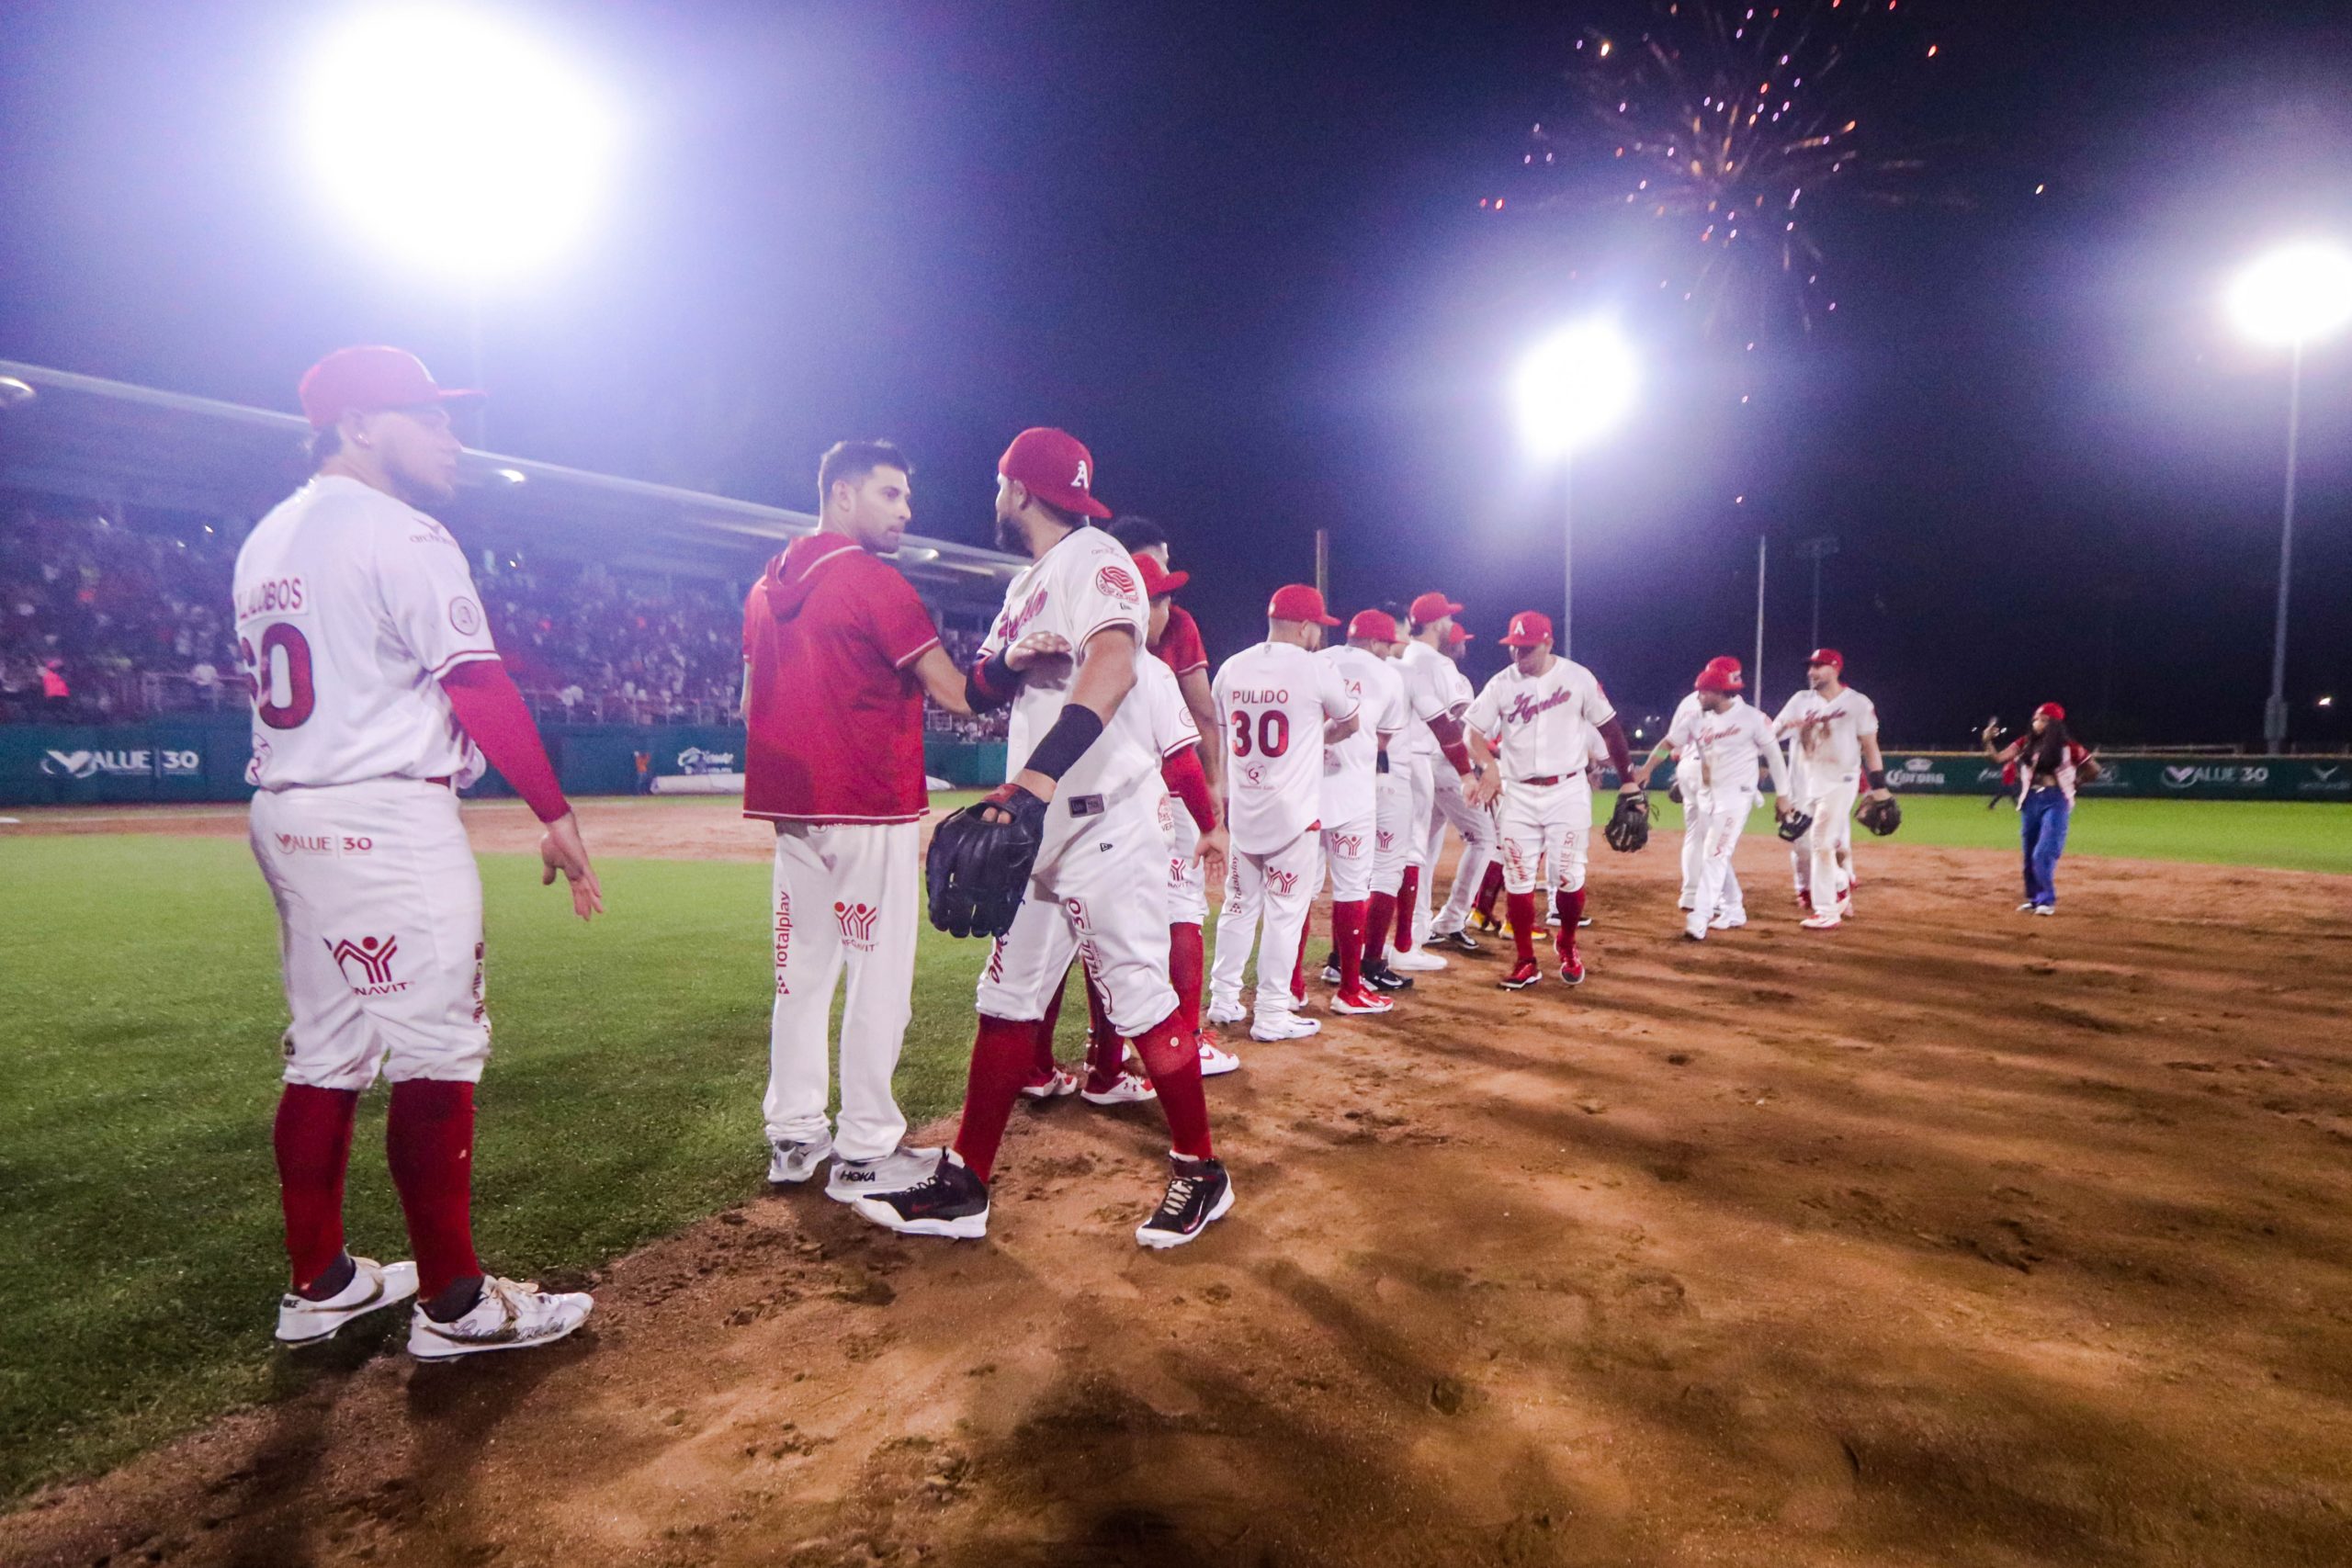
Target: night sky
x: 1239, y: 249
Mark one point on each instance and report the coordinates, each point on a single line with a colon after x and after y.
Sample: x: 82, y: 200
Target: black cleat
x: 1378, y: 973
x: 1199, y: 1194
x: 1330, y: 968
x: 950, y: 1201
x: 1457, y: 942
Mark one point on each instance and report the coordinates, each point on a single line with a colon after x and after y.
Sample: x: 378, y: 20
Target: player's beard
x: 1009, y: 536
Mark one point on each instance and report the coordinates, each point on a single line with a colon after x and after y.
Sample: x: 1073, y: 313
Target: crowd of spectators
x: 102, y: 620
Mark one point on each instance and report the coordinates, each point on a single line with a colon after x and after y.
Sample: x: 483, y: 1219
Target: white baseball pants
x: 1816, y: 857
x: 1350, y: 849
x: 1694, y: 857
x: 1393, y: 795
x: 1720, y: 818
x: 1188, y: 888
x: 379, y: 931
x: 1272, y: 891
x: 845, y: 897
x: 1450, y: 808
x: 1551, y: 824
x: 1104, y: 891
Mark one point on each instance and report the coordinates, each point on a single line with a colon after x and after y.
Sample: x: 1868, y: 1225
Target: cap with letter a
x: 1054, y: 467
x: 1431, y: 607
x: 370, y: 380
x: 1297, y: 601
x: 1527, y: 628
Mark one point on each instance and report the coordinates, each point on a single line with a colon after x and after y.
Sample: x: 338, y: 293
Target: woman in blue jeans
x: 2049, y: 763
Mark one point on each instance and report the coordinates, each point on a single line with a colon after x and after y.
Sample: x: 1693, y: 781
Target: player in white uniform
x: 1717, y: 746
x: 1832, y: 732
x: 375, y: 676
x: 1529, y: 731
x: 1732, y: 909
x: 1278, y: 707
x: 1449, y: 927
x: 1077, y: 744
x: 1432, y: 744
x: 1355, y: 769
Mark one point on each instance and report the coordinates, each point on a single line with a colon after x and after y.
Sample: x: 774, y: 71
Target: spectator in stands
x: 56, y: 694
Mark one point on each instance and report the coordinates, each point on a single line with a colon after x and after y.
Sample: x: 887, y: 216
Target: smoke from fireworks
x: 1720, y: 136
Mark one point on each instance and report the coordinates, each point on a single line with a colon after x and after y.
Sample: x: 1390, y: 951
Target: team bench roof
x: 115, y: 443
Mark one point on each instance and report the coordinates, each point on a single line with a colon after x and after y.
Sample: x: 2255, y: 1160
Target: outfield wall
x: 205, y: 759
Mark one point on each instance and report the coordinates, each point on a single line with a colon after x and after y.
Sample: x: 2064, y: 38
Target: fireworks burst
x: 1724, y: 134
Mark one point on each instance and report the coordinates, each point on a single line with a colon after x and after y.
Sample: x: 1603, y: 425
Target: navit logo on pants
x: 374, y: 957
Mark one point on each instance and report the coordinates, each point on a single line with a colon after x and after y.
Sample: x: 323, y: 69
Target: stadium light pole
x: 1572, y: 388
x: 455, y: 144
x: 2290, y: 298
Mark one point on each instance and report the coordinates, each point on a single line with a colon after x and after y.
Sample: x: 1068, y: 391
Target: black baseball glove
x: 977, y: 871
x: 1674, y: 791
x: 1795, y: 825
x: 1881, y: 817
x: 1629, y: 825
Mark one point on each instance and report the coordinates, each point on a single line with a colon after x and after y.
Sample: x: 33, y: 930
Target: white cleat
x: 1283, y: 1026
x: 374, y: 1286
x: 790, y: 1163
x: 1063, y: 1081
x: 1820, y: 922
x: 1127, y: 1089
x: 1414, y: 961
x: 1217, y: 1061
x: 511, y: 1316
x: 2045, y: 909
x: 1360, y: 1002
x: 2028, y: 908
x: 1226, y: 1014
x: 1728, y: 922
x: 894, y: 1172
x: 1693, y: 927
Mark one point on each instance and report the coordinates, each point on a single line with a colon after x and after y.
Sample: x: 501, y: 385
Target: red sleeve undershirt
x: 485, y: 701
x: 1181, y: 773
x: 1448, y: 730
x: 1621, y: 757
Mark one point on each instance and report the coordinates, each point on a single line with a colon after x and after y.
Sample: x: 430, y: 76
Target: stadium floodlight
x: 1571, y: 390
x: 456, y: 140
x: 2295, y: 294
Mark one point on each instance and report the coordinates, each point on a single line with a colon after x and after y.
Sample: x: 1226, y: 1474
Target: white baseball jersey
x: 350, y: 606
x: 1538, y: 722
x: 1825, y: 737
x: 1596, y: 750
x: 1351, y: 769
x: 1720, y: 751
x: 1083, y: 584
x: 1429, y: 688
x: 1170, y: 722
x: 1273, y: 700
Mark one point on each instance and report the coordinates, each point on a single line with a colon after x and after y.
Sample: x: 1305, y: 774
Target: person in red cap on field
x: 1437, y: 694
x: 1717, y: 745
x: 1731, y: 910
x: 1358, y: 802
x: 1278, y: 707
x: 1832, y: 730
x: 1084, y: 778
x: 2049, y: 763
x: 1529, y: 732
x: 377, y: 694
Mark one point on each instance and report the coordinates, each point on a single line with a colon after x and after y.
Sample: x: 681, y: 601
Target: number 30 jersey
x: 350, y: 606
x: 1272, y: 701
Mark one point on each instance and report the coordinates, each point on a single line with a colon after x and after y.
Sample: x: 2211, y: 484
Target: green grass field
x: 140, y: 1266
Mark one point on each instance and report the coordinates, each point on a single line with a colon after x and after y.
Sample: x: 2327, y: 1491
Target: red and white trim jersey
x: 1085, y: 584
x: 1538, y: 723
x: 1351, y: 769
x: 1429, y: 693
x: 1825, y: 737
x: 1272, y: 701
x: 1720, y: 751
x: 350, y: 606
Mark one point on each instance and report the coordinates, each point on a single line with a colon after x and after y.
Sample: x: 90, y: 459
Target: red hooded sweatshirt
x: 830, y: 635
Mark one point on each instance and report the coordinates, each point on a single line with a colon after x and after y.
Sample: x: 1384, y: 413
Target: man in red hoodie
x: 839, y: 654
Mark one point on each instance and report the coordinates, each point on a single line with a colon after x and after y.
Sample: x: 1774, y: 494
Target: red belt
x: 441, y: 779
x: 1555, y: 778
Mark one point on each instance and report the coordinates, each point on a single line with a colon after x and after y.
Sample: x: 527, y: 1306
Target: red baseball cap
x: 1297, y: 601
x: 1055, y: 466
x: 2051, y: 711
x: 1829, y: 656
x: 1720, y: 675
x: 1377, y: 626
x: 366, y: 380
x: 1157, y: 578
x: 1527, y: 628
x: 1456, y: 636
x: 1432, y: 607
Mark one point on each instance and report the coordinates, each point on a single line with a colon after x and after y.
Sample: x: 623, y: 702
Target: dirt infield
x: 1951, y: 1237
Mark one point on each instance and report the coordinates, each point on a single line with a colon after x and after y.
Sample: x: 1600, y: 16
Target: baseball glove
x: 1674, y: 791
x: 1881, y: 817
x: 977, y: 871
x: 1795, y: 825
x: 1629, y: 825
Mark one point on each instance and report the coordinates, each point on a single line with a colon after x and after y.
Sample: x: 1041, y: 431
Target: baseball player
x: 1432, y: 742
x: 1732, y: 908
x: 1449, y: 927
x: 1278, y: 707
x: 1070, y: 842
x: 1528, y: 731
x: 1832, y: 732
x: 1717, y: 745
x: 1354, y: 773
x: 377, y: 694
x: 838, y: 655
